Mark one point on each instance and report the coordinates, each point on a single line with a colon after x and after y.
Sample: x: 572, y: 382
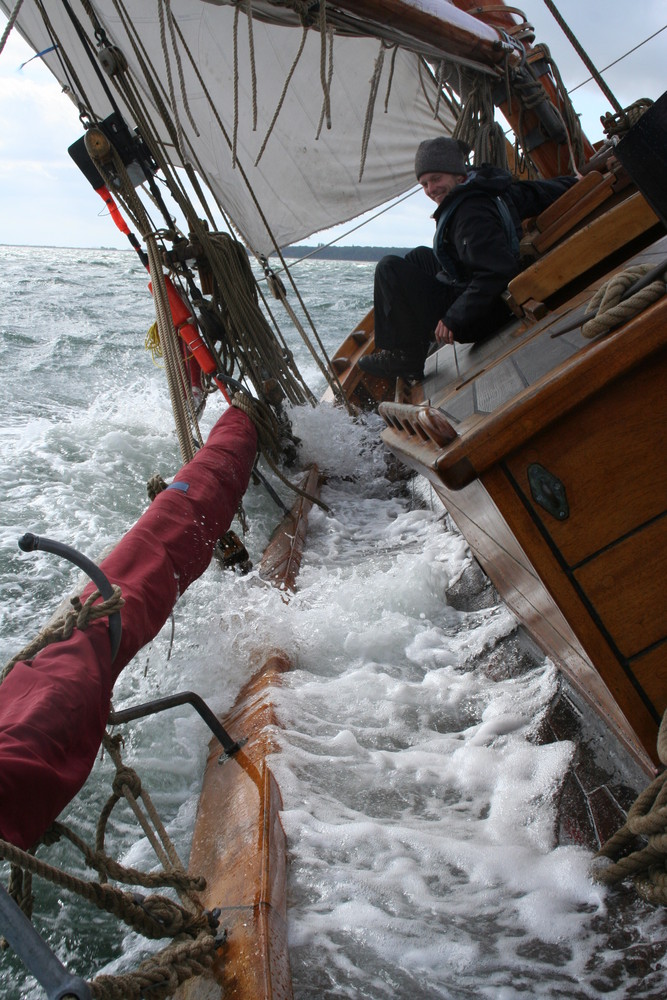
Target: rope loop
x: 609, y: 309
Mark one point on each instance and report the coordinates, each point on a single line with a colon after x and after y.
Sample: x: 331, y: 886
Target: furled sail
x: 308, y: 175
x: 54, y: 708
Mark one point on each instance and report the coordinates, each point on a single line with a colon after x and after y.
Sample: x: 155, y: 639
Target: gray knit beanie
x: 441, y: 156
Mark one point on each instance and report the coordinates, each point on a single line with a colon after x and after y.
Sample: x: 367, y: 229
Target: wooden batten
x: 589, y: 246
x: 282, y: 557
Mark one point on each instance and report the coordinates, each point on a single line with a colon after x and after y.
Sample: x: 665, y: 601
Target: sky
x: 45, y: 201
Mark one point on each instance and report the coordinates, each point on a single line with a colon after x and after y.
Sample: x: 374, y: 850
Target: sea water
x: 419, y: 811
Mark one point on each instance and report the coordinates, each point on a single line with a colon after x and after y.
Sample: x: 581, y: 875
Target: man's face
x: 438, y: 185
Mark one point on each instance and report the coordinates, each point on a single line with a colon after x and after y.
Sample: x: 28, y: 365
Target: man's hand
x: 443, y: 334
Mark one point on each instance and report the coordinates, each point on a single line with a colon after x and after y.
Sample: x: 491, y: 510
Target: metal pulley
x: 112, y: 60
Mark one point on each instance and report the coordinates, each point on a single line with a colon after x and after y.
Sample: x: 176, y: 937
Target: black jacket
x: 476, y: 248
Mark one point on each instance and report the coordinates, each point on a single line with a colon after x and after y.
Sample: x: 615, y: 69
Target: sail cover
x: 308, y: 177
x: 53, y: 709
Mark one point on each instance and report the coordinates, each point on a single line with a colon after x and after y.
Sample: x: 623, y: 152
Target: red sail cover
x: 53, y: 711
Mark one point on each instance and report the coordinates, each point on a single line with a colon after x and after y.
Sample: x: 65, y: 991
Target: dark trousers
x: 409, y: 300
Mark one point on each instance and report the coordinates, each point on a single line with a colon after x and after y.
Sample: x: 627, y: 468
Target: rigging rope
x: 10, y: 24
x: 194, y: 930
x: 476, y: 125
x: 583, y: 55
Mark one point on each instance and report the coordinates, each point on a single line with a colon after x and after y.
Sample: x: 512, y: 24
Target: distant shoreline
x: 343, y: 253
x: 321, y: 252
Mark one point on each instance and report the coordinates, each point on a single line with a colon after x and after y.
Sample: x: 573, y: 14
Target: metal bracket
x: 548, y: 491
x: 229, y: 745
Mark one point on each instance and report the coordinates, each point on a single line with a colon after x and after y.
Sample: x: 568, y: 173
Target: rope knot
x: 623, y: 121
x: 155, y: 485
x: 126, y: 777
x: 171, y: 918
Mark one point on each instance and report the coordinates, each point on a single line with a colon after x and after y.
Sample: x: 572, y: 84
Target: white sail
x: 308, y: 176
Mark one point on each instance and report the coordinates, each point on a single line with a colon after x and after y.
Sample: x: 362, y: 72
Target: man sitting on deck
x: 453, y: 292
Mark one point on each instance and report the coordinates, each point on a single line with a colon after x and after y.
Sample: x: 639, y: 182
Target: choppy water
x: 419, y: 813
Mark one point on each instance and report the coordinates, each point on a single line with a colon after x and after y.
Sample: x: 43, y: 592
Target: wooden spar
x: 282, y: 557
x: 239, y: 846
x: 238, y: 841
x: 438, y: 24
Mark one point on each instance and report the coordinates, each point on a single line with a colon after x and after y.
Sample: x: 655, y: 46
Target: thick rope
x: 10, y: 24
x: 606, y: 308
x: 583, y: 55
x: 153, y: 916
x: 80, y: 616
x: 101, y: 862
x: 162, y: 974
x: 638, y: 851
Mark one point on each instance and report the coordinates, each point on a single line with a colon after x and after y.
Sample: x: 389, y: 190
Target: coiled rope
x: 639, y: 850
x: 476, y: 126
x: 609, y: 309
x: 621, y: 122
